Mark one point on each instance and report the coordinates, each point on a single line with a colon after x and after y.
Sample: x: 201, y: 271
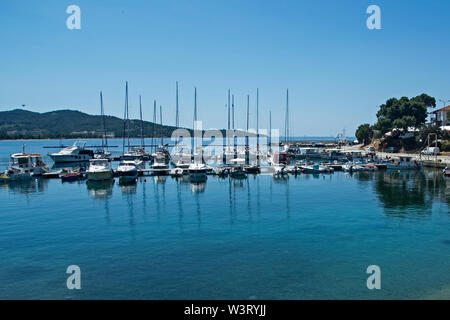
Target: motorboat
x: 75, y: 153
x: 197, y: 172
x: 279, y: 170
x: 177, y: 172
x: 99, y: 170
x: 315, y: 168
x: 128, y: 171
x: 446, y: 171
x: 221, y: 171
x: 182, y: 163
x: 348, y: 167
x: 159, y: 161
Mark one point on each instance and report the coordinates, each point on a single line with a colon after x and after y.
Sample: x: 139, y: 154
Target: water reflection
x: 100, y: 189
x: 198, y: 187
x: 407, y: 193
x: 26, y: 187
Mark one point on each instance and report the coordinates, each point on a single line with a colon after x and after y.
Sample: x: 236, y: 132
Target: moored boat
x: 404, y: 163
x: 75, y: 153
x: 197, y: 172
x: 127, y: 171
x: 99, y: 170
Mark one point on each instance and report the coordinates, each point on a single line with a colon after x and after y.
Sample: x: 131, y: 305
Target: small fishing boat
x: 71, y: 177
x: 197, y: 172
x: 22, y: 166
x: 99, y: 170
x: 404, y: 163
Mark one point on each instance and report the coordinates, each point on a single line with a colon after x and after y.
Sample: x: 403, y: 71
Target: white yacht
x: 159, y: 161
x: 127, y: 171
x: 99, y: 170
x: 197, y: 172
x: 75, y: 153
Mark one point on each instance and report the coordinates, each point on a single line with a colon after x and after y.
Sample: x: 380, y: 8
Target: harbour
x: 256, y: 228
x: 222, y: 155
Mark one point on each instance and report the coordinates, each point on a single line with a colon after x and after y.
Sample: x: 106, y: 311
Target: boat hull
x: 100, y: 175
x: 70, y: 158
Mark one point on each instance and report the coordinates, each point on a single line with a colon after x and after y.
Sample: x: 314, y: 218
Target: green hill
x: 23, y: 124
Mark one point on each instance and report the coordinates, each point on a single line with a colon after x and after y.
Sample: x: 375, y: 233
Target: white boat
x: 279, y: 170
x: 22, y: 166
x: 159, y: 161
x: 404, y: 163
x: 182, y: 163
x: 237, y: 170
x: 348, y: 167
x: 127, y: 171
x: 176, y: 172
x: 197, y: 172
x: 75, y: 153
x: 99, y: 170
x: 315, y: 168
x: 15, y: 173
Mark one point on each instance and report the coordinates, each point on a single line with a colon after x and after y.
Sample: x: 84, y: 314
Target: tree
x: 364, y: 133
x: 403, y: 113
x: 428, y: 101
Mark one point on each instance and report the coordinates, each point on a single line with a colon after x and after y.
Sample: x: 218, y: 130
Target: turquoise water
x: 306, y: 237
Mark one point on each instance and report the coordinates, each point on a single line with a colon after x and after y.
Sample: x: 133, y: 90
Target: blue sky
x: 337, y: 70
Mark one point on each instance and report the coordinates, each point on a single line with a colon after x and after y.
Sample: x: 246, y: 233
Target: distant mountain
x: 23, y: 124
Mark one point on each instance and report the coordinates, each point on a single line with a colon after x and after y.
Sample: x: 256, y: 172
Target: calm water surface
x: 306, y: 237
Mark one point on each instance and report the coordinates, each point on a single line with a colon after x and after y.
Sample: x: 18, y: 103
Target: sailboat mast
x: 142, y: 123
x: 125, y: 119
x: 228, y: 105
x: 177, y: 119
x: 103, y: 120
x: 248, y: 114
x: 270, y: 130
x: 128, y: 118
x: 153, y: 126
x: 286, y: 124
x: 232, y: 110
x: 247, y: 158
x: 161, y: 123
x: 257, y: 124
x: 194, y: 142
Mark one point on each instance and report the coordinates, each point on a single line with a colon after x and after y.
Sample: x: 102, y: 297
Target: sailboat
x: 197, y: 170
x: 160, y: 156
x: 129, y: 165
x: 103, y: 152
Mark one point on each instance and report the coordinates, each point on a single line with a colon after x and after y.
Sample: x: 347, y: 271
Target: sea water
x: 303, y: 237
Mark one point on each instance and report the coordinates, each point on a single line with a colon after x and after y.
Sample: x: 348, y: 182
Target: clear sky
x: 337, y: 70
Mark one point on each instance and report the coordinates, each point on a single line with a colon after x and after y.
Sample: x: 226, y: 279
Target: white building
x: 441, y: 118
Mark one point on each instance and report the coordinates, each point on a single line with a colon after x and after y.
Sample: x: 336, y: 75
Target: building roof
x: 447, y: 108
